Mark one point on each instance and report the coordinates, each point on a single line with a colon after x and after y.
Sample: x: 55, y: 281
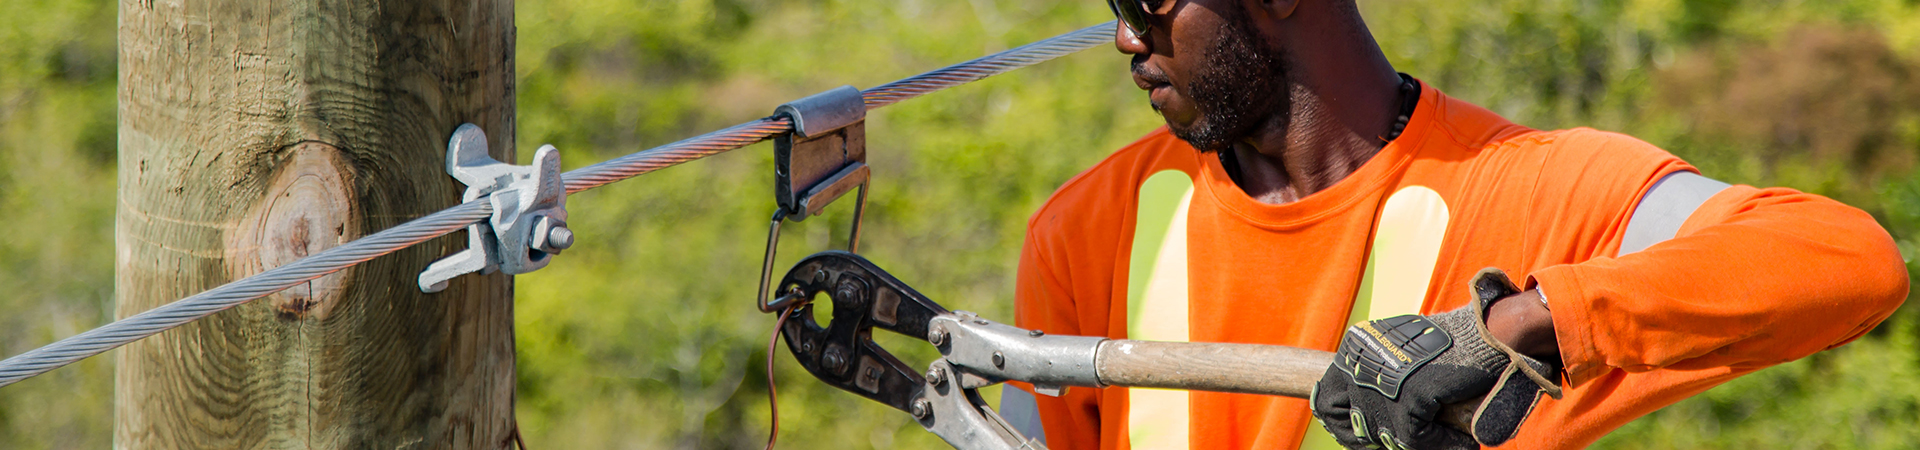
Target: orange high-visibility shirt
x: 1755, y: 277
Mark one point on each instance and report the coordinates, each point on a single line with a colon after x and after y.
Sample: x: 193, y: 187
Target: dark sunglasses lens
x: 1132, y: 12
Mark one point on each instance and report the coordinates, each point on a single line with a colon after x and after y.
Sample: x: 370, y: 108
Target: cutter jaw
x: 946, y: 400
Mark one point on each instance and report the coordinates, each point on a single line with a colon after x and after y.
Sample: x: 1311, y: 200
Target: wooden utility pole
x: 255, y: 132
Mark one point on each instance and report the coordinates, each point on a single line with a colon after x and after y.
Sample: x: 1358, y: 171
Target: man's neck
x: 1332, y: 129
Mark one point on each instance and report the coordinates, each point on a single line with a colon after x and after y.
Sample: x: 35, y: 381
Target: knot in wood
x: 307, y: 209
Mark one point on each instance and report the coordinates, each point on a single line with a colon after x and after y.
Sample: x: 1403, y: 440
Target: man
x: 1302, y: 185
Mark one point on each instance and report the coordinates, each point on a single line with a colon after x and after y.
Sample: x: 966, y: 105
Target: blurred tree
x: 56, y: 183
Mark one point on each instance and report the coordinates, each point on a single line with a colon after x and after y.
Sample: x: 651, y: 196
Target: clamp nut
x: 835, y: 359
x: 550, y: 235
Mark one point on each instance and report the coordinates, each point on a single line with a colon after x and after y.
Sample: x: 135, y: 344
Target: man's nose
x: 1126, y: 41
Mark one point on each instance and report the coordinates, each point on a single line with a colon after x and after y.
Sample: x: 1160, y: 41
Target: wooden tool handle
x: 1220, y: 367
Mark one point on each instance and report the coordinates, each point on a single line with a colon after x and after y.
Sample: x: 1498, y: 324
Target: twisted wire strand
x: 180, y: 312
x: 637, y: 163
x: 990, y: 65
x: 166, y: 317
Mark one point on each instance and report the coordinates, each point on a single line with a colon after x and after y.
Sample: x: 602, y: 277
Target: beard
x: 1242, y: 85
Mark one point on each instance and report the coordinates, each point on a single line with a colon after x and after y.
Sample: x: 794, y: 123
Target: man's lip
x: 1147, y: 84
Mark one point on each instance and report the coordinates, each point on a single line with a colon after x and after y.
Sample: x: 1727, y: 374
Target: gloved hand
x: 1391, y: 378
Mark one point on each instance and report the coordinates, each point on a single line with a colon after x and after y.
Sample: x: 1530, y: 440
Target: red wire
x: 773, y: 403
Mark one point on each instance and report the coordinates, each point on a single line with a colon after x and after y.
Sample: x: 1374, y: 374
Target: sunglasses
x: 1134, y: 13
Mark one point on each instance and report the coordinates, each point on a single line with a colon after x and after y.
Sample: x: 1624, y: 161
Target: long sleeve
x: 1755, y: 277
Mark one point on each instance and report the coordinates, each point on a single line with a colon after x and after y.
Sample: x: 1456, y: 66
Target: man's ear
x: 1273, y: 9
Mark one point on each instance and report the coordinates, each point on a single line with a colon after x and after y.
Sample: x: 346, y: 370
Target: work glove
x: 1392, y: 377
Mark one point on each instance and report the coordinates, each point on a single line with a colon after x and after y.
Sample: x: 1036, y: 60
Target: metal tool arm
x: 977, y: 352
x: 988, y: 352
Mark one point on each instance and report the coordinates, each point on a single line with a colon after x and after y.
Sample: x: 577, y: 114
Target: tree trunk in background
x: 255, y: 132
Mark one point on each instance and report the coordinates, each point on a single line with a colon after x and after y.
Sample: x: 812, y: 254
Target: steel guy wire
x: 180, y: 312
x: 990, y: 65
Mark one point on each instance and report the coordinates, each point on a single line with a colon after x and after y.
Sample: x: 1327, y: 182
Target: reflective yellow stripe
x: 1406, y: 248
x: 1157, y: 303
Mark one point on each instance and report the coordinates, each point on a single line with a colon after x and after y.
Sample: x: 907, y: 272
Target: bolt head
x: 1036, y: 333
x: 833, y: 360
x: 849, y: 290
x: 937, y: 337
x: 922, y: 409
x: 999, y: 361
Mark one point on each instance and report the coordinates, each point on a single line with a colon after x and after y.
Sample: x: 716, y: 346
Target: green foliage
x: 56, y: 242
x: 644, y: 336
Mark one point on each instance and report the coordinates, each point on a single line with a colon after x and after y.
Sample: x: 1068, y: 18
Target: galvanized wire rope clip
x: 821, y: 160
x: 529, y: 222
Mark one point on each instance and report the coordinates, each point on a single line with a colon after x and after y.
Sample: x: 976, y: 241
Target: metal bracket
x: 529, y: 218
x: 823, y: 159
x: 825, y: 156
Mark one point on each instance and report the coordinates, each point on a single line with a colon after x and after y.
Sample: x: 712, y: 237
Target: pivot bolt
x: 937, y: 375
x: 999, y: 361
x: 834, y: 359
x: 938, y: 337
x: 922, y: 409
x: 849, y: 291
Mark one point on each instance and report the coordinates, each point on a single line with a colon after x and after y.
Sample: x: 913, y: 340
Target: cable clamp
x: 821, y: 160
x: 529, y: 223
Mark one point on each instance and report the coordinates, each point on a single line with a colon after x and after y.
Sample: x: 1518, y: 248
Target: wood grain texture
x: 1222, y: 367
x: 253, y: 133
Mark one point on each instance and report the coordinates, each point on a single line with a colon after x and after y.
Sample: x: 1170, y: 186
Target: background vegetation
x: 644, y: 338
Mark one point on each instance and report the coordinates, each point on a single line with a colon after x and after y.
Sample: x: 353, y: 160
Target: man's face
x: 1208, y: 72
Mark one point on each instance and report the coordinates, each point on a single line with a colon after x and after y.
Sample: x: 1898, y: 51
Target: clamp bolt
x: 937, y: 375
x: 550, y: 235
x: 922, y: 409
x: 999, y: 361
x: 560, y: 238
